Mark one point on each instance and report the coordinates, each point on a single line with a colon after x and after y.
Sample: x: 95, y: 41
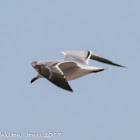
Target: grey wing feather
x: 56, y: 76
x: 104, y: 60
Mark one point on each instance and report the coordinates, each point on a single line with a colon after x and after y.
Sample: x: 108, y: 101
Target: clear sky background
x: 105, y: 105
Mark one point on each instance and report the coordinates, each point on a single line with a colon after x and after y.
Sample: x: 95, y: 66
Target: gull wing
x: 83, y: 57
x: 77, y: 56
x: 54, y: 74
x: 104, y: 60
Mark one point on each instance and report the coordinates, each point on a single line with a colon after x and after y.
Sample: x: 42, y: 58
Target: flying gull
x: 74, y: 65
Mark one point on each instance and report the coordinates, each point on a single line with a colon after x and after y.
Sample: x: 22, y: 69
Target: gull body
x: 74, y: 65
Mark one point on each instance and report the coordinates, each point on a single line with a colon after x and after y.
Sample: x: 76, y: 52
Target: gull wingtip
x: 121, y: 66
x: 71, y: 90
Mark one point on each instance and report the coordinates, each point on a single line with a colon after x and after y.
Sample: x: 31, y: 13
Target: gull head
x: 34, y: 63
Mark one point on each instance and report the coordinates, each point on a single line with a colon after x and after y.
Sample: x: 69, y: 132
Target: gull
x: 74, y: 65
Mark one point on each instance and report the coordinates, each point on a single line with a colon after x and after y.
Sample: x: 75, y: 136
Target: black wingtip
x: 120, y: 65
x: 70, y: 89
x: 123, y: 66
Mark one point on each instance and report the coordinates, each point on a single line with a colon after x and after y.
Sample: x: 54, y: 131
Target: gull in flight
x: 74, y: 65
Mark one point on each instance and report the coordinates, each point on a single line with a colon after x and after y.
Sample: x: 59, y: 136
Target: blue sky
x: 105, y: 105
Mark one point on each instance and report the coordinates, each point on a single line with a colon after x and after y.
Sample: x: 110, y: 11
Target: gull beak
x: 34, y: 63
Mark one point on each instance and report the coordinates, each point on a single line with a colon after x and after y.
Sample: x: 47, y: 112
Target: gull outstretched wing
x: 55, y: 75
x: 82, y: 57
